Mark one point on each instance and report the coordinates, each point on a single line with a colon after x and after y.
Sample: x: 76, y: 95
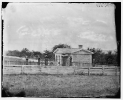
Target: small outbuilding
x: 72, y: 56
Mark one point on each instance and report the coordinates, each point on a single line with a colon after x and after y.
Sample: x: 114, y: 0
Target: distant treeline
x: 30, y: 54
x: 104, y: 58
x: 36, y: 54
x: 99, y: 56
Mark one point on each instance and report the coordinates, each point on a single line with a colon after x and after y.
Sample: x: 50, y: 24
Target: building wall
x: 83, y: 58
x: 76, y: 59
x: 58, y: 59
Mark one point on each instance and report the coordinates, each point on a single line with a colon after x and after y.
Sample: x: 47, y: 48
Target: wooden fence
x: 102, y: 70
x: 38, y: 69
x: 23, y: 62
x: 12, y: 60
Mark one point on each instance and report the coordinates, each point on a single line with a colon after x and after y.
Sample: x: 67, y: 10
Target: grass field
x: 62, y: 85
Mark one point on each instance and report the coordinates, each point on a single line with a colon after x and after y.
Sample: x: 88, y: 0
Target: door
x: 64, y: 59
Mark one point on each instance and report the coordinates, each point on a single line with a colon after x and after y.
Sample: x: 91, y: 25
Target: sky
x: 40, y: 26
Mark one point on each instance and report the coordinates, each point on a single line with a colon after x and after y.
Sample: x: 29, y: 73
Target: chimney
x: 80, y: 46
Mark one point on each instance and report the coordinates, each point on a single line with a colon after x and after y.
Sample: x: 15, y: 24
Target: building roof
x: 71, y: 50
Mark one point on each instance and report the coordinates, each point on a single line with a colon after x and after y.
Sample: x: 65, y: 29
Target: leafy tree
x: 115, y: 58
x: 99, y: 57
x: 36, y: 54
x: 49, y: 54
x: 14, y: 53
x: 109, y: 57
x: 25, y: 52
x: 60, y: 46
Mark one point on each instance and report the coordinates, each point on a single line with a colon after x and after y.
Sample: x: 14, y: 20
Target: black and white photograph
x: 60, y: 50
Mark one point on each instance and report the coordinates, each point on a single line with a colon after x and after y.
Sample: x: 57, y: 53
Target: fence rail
x: 39, y: 69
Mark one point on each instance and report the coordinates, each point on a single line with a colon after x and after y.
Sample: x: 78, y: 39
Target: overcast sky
x: 40, y: 26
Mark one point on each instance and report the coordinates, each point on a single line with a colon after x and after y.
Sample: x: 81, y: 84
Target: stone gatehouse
x: 72, y: 56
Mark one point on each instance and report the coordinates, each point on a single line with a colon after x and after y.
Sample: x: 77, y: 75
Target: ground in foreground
x: 62, y: 85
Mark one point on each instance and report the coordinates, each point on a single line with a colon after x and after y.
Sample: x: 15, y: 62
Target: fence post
x: 102, y: 70
x: 40, y: 67
x: 22, y: 69
x: 57, y: 69
x: 38, y: 61
x: 116, y: 70
x: 74, y: 70
x: 27, y: 61
x: 89, y: 70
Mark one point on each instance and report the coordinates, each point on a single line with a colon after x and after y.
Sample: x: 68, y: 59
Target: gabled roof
x: 71, y: 50
x: 86, y: 51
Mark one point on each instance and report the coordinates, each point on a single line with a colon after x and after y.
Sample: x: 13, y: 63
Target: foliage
x: 60, y: 46
x: 100, y: 57
x: 25, y: 53
x: 48, y: 54
x: 14, y: 53
x: 36, y: 54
